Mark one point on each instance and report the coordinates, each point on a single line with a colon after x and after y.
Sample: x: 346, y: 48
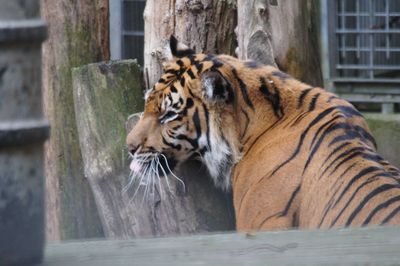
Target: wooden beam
x: 372, y: 246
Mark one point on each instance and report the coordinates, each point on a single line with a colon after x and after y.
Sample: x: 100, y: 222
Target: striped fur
x: 294, y: 156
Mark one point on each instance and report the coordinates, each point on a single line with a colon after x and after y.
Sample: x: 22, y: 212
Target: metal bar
x: 18, y: 133
x: 366, y: 31
x: 371, y: 41
x: 365, y: 49
x: 132, y: 33
x: 370, y: 98
x: 392, y: 82
x: 115, y: 29
x: 358, y: 28
x: 343, y: 26
x: 29, y: 30
x: 365, y: 14
x: 368, y: 67
x: 387, y: 28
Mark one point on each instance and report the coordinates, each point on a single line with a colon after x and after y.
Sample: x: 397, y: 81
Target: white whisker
x: 165, y: 175
x: 169, y: 169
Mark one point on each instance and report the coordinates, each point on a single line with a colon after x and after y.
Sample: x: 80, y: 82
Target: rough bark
x: 205, y: 25
x: 283, y: 31
x: 78, y: 34
x: 105, y: 94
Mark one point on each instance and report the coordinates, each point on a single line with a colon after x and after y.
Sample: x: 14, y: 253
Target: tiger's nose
x: 132, y: 149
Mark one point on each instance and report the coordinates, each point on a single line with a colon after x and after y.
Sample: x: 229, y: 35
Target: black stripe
x: 374, y: 193
x: 171, y: 71
x: 352, y: 152
x: 370, y: 180
x: 182, y: 81
x: 180, y: 63
x: 323, y: 127
x: 302, y: 137
x: 354, y: 179
x: 348, y: 135
x: 313, y: 102
x: 303, y: 94
x: 390, y: 216
x: 196, y: 122
x: 243, y: 89
x: 321, y: 139
x: 335, y: 151
x: 192, y: 142
x: 246, y: 123
x: 285, y: 211
x: 273, y: 98
x: 208, y: 125
x: 349, y: 111
x: 190, y: 73
x: 356, y: 152
x: 199, y: 66
x: 365, y: 134
x: 380, y: 207
x: 330, y: 202
x: 177, y: 147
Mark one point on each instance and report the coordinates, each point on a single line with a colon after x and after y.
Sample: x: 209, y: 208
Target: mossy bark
x: 78, y: 34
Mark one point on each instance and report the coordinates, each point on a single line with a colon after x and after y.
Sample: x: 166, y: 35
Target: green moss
x: 293, y: 64
x: 386, y: 130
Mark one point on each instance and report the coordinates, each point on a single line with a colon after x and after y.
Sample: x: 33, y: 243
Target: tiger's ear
x: 179, y: 49
x: 216, y: 87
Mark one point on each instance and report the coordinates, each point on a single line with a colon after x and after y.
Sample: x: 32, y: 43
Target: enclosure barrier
x: 361, y: 246
x: 22, y: 133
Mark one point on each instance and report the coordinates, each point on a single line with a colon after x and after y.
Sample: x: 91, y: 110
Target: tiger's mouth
x: 157, y: 163
x: 148, y: 169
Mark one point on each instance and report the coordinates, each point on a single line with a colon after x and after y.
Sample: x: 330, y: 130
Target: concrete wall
x: 386, y: 130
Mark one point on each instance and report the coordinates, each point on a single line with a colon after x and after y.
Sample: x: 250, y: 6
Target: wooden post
x: 105, y: 94
x: 78, y: 34
x: 281, y: 32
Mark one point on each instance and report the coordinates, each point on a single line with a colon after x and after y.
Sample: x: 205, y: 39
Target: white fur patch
x: 219, y: 161
x: 208, y: 84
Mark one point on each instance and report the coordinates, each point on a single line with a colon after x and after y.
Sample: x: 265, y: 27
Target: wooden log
x: 105, y: 94
x: 78, y: 35
x: 282, y: 32
x: 362, y: 246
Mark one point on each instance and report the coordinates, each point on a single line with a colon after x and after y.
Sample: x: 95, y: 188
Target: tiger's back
x: 295, y: 156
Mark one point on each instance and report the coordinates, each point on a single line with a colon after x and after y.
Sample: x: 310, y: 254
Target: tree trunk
x: 271, y: 31
x: 208, y: 26
x: 78, y: 34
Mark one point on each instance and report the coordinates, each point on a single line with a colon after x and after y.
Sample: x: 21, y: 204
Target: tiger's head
x: 186, y: 116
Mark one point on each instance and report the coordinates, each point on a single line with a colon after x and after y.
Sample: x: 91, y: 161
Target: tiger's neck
x: 274, y: 101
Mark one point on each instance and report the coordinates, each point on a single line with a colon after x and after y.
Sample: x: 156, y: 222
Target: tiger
x: 293, y: 155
